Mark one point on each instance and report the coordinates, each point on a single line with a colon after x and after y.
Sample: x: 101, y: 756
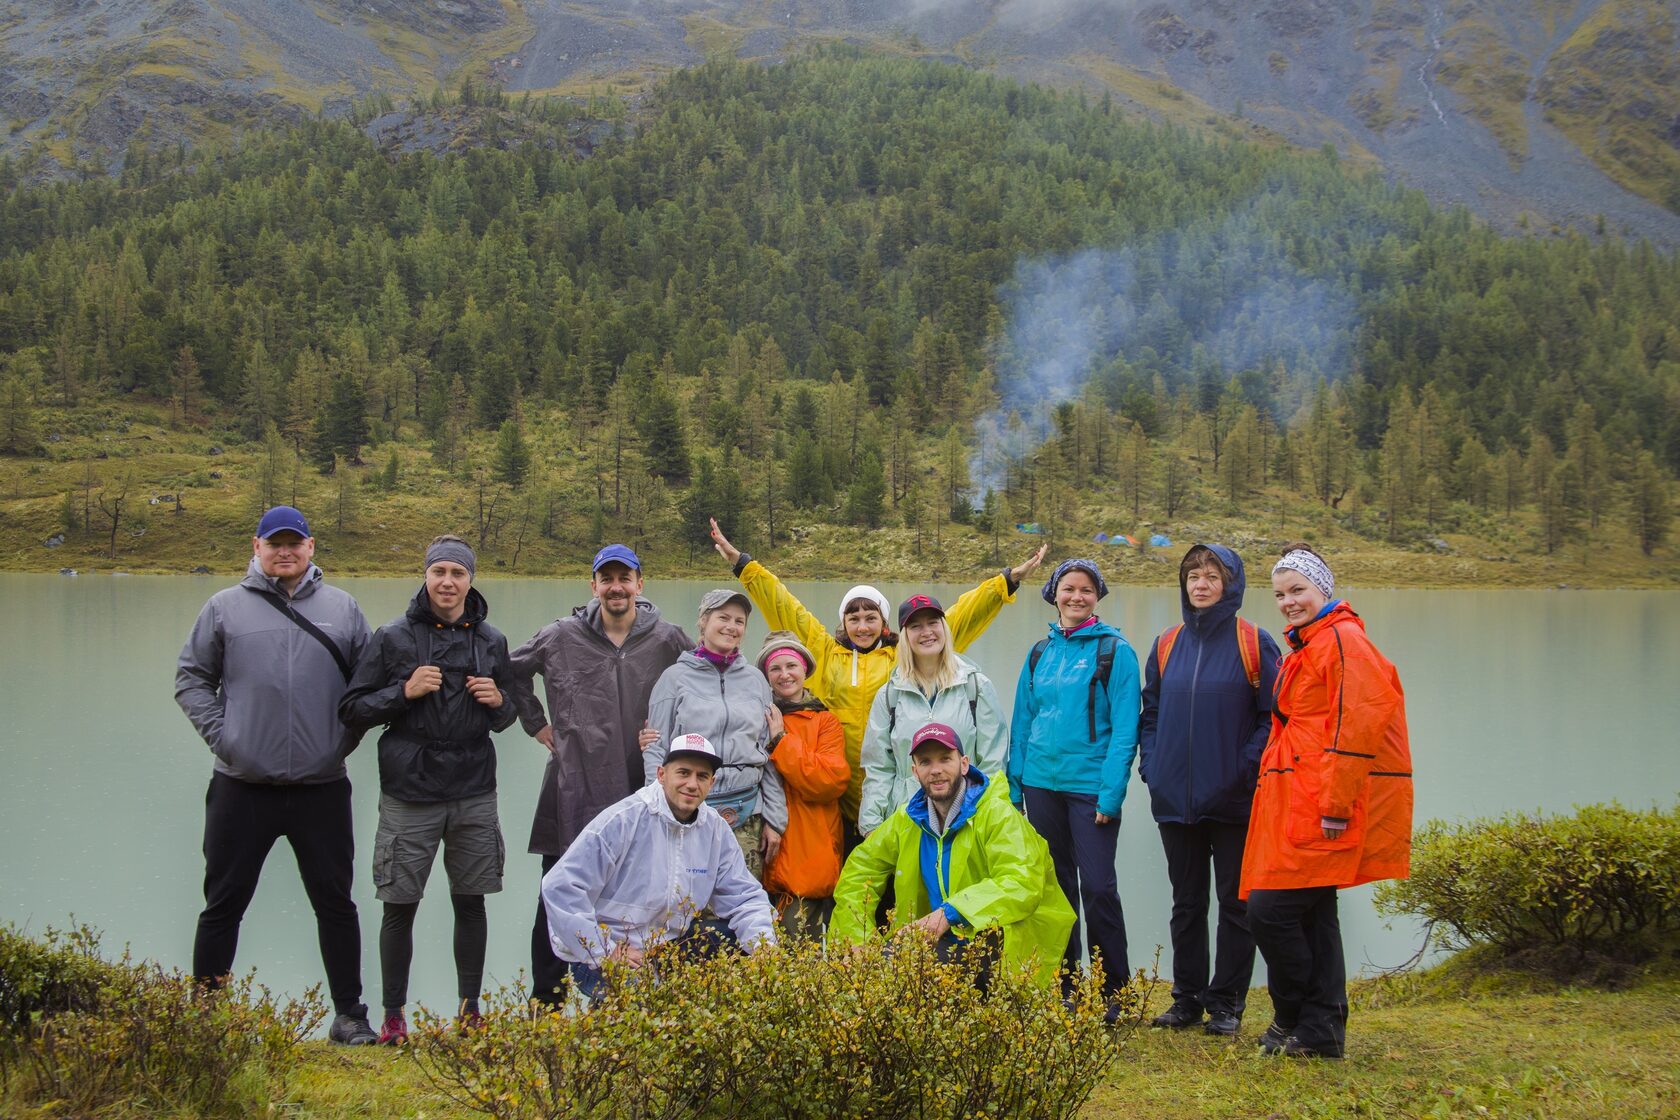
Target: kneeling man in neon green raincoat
x: 962, y: 860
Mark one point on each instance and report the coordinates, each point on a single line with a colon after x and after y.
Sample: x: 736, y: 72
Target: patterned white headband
x: 1316, y: 570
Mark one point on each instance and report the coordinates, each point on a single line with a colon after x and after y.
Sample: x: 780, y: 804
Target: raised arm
x: 975, y: 608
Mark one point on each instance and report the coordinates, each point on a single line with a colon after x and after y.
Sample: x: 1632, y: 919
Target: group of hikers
x: 839, y: 781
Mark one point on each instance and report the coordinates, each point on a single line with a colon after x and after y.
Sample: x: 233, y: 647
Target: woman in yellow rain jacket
x: 855, y: 660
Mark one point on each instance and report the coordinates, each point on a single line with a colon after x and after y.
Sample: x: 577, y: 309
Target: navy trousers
x: 1083, y: 852
x: 1300, y: 935
x: 1193, y: 850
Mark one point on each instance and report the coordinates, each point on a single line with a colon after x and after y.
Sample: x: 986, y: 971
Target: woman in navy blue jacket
x: 1204, y: 725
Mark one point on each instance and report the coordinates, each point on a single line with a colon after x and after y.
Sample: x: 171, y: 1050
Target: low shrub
x: 787, y: 1033
x: 59, y: 971
x: 1524, y: 882
x: 141, y: 1038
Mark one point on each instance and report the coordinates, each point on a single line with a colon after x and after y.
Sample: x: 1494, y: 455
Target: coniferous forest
x: 843, y: 289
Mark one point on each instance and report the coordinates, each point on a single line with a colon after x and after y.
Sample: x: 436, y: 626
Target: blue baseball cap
x: 619, y: 553
x: 282, y: 519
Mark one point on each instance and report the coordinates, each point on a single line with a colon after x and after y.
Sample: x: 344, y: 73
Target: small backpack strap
x: 1037, y: 652
x: 1248, y: 645
x: 974, y: 700
x: 1099, y: 677
x: 892, y: 710
x: 1163, y: 646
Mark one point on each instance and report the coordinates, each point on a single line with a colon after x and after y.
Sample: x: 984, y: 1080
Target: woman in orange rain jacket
x: 1333, y: 807
x: 808, y: 748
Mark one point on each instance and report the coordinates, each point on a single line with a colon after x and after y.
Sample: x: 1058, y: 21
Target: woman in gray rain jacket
x: 713, y: 691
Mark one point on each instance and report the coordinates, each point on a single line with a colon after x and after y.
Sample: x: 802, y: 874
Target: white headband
x: 1316, y: 570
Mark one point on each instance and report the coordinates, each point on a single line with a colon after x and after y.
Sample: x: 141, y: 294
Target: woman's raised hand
x: 1016, y: 574
x: 724, y: 549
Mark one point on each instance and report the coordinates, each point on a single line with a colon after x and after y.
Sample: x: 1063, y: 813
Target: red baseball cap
x: 939, y: 733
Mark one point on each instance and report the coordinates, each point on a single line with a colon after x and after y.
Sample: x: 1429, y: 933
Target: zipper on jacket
x: 1190, y: 741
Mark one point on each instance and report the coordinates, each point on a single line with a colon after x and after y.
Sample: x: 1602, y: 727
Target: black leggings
x: 396, y: 947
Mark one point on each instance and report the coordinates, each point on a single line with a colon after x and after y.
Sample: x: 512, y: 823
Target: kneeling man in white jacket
x: 640, y: 872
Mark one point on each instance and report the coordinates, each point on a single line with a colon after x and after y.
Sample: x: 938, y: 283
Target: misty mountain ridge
x: 1532, y: 113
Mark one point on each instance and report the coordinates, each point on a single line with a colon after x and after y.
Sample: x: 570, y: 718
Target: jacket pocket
x: 1304, y: 825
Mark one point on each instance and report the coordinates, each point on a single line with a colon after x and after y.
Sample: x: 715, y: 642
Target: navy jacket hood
x: 1210, y: 620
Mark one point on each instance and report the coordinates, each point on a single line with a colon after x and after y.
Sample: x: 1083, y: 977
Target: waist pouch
x: 742, y: 802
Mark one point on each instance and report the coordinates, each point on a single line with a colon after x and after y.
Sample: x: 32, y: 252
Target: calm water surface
x: 1517, y: 700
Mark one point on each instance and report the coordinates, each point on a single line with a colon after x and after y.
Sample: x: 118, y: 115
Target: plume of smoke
x: 1224, y: 293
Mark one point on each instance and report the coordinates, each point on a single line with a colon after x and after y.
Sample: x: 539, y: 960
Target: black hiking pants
x: 242, y: 821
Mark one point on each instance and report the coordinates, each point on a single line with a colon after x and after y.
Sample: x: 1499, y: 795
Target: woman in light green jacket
x: 931, y: 684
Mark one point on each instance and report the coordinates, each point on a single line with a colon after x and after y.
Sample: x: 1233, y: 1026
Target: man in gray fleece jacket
x: 260, y: 678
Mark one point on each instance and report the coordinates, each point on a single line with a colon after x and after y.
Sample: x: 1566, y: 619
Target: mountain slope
x: 1534, y: 113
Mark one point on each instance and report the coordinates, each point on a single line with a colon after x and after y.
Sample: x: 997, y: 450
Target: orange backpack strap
x: 1163, y: 646
x: 1248, y: 645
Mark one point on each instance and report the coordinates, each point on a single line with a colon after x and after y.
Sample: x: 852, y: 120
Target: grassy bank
x: 1445, y: 1044
x: 190, y: 497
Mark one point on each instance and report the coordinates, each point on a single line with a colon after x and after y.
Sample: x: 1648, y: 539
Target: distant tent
x: 1159, y: 541
x: 1029, y: 527
x: 1129, y: 540
x: 1101, y: 538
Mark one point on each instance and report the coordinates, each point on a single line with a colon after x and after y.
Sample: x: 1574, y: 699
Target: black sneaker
x: 1273, y: 1038
x: 351, y: 1028
x: 1180, y: 1015
x: 1222, y: 1023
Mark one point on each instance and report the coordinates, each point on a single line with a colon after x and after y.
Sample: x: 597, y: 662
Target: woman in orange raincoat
x: 1333, y: 807
x: 808, y: 749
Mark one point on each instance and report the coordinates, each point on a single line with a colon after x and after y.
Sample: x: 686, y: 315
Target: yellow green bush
x: 1527, y: 881
x: 790, y: 1033
x: 88, y: 1037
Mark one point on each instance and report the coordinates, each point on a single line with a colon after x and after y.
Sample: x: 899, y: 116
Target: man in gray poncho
x: 598, y: 667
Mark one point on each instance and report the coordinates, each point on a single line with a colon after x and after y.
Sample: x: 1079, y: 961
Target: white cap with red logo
x: 694, y: 746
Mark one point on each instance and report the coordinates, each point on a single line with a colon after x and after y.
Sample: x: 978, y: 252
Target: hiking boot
x: 1273, y: 1038
x: 1180, y: 1015
x: 394, y: 1031
x: 1222, y: 1023
x: 1295, y: 1048
x: 351, y: 1028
